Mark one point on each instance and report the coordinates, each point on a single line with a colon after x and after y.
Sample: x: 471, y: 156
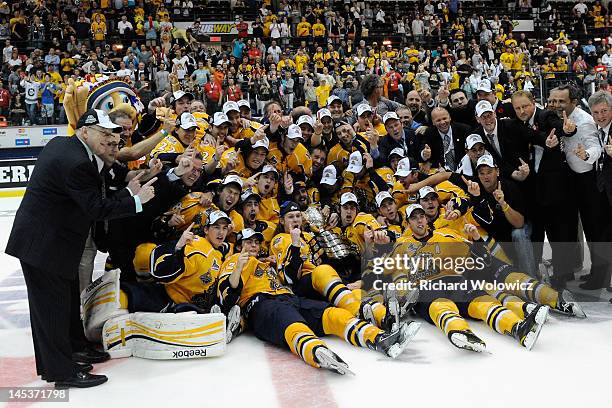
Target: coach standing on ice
x: 63, y: 198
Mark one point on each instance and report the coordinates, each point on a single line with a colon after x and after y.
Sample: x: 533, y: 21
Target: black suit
x: 433, y: 138
x: 62, y: 200
x: 554, y: 209
x: 604, y: 183
x: 409, y: 143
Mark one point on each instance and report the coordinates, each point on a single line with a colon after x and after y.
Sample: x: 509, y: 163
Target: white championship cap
x: 248, y: 233
x: 382, y: 196
x: 215, y: 216
x: 330, y: 177
x: 483, y: 107
x: 484, y: 85
x: 362, y: 108
x: 412, y: 208
x: 423, y: 191
x: 472, y: 140
x: 187, y: 121
x: 220, y: 118
x: 404, y: 167
x: 294, y: 132
x: 348, y: 198
x: 390, y: 115
x: 265, y: 143
x: 355, y: 163
x: 486, y: 160
x: 232, y: 179
x: 398, y: 151
x: 230, y: 106
x: 306, y: 119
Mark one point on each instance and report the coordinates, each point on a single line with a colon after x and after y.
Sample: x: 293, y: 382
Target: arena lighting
x: 597, y: 39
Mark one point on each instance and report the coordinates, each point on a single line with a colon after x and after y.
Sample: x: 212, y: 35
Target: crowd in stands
x: 295, y: 52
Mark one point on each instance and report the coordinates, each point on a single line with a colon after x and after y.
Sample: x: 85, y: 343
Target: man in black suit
x: 551, y: 197
x: 443, y: 144
x: 397, y: 137
x: 600, y: 104
x: 62, y: 200
x: 485, y: 92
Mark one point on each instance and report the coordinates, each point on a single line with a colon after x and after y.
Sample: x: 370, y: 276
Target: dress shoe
x: 585, y: 277
x: 609, y: 290
x: 593, y: 284
x: 82, y: 380
x: 90, y: 356
x: 83, y: 368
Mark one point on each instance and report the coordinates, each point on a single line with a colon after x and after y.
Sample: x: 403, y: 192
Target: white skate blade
x: 326, y: 360
x: 408, y: 331
x: 532, y: 336
x: 233, y: 321
x: 460, y: 340
x: 411, y: 299
x: 542, y: 316
x: 577, y: 310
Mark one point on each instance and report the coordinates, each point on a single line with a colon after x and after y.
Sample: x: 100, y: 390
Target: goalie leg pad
x: 165, y: 336
x: 100, y: 302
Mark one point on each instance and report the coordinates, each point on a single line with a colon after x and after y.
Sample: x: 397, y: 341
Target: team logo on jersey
x: 259, y: 272
x: 206, y: 278
x: 215, y: 265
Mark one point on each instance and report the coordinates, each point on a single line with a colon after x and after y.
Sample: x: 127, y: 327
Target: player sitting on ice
x: 278, y: 316
x: 446, y: 296
x: 185, y: 274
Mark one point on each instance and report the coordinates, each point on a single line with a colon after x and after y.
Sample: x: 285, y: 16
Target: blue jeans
x: 31, y: 110
x: 525, y: 258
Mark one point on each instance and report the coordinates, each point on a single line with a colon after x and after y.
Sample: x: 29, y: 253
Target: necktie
x: 600, y: 162
x: 493, y: 140
x: 449, y: 156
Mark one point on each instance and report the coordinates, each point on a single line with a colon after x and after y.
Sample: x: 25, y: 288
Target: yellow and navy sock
x: 512, y: 302
x: 534, y: 291
x: 445, y: 315
x: 341, y: 323
x: 489, y: 310
x: 303, y: 342
x: 325, y: 280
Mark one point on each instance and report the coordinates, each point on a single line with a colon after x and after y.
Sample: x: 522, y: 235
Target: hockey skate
x: 465, y: 339
x: 330, y: 361
x: 395, y: 342
x: 233, y: 323
x: 567, y: 305
x: 397, y: 307
x: 528, y: 330
x: 529, y: 307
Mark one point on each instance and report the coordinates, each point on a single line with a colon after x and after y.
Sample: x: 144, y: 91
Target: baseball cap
x: 232, y: 179
x: 471, y: 140
x: 390, y: 115
x: 248, y: 233
x: 244, y: 103
x: 333, y: 99
x: 362, y: 108
x: 306, y: 119
x: 294, y: 132
x: 482, y: 107
x: 412, y: 208
x: 355, y: 163
x: 423, y: 191
x: 248, y: 193
x: 486, y: 160
x: 179, y: 94
x: 265, y: 143
x: 324, y: 112
x: 398, y: 151
x: 329, y: 175
x: 215, y: 216
x: 382, y: 196
x: 404, y: 167
x: 97, y: 117
x: 348, y: 198
x: 186, y: 121
x: 268, y: 168
x: 340, y: 123
x: 484, y: 85
x: 220, y: 118
x: 230, y: 106
x: 287, y: 207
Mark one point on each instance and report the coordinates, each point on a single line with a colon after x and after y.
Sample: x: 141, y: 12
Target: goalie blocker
x: 146, y: 334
